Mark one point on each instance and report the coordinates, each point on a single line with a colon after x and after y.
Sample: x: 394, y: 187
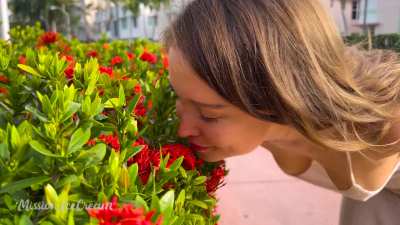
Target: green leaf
x: 71, y: 217
x: 121, y: 95
x: 112, y: 103
x: 46, y: 104
x: 21, y: 184
x: 176, y: 164
x: 141, y: 203
x: 78, y: 139
x: 94, y: 154
x: 180, y: 201
x: 72, y: 108
x: 133, y: 103
x: 167, y: 205
x: 4, y: 152
x: 24, y: 220
x: 133, y: 171
x: 36, y: 113
x: 94, y: 76
x: 51, y: 195
x: 199, y: 180
x: 155, y: 202
x: 132, y: 151
x: 41, y: 149
x: 29, y: 69
x: 199, y: 204
x: 15, y: 138
x: 96, y: 107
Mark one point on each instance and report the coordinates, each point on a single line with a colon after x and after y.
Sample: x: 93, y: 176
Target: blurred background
x: 127, y: 19
x: 258, y: 193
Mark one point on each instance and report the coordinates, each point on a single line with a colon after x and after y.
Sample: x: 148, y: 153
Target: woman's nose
x: 187, y: 127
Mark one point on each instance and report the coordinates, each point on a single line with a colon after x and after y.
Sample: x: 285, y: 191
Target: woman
x: 277, y: 73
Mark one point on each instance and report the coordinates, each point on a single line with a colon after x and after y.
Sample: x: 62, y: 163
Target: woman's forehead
x: 187, y: 83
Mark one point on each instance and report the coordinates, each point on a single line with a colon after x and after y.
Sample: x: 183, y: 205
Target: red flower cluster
x: 111, y: 140
x: 148, y: 57
x: 130, y: 55
x: 177, y: 150
x: 111, y: 214
x: 48, y: 38
x: 4, y: 79
x: 69, y: 71
x: 106, y: 70
x: 147, y: 158
x: 3, y: 90
x: 22, y: 59
x: 216, y: 179
x: 116, y: 60
x: 165, y: 62
x: 137, y: 89
x: 106, y: 46
x: 92, y: 53
x: 140, y: 109
x: 91, y: 142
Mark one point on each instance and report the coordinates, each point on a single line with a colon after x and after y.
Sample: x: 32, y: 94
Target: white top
x: 317, y: 175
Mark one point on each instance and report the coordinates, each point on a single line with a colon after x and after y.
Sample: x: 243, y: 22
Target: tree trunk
x: 365, y: 28
x: 343, y: 11
x: 5, y: 26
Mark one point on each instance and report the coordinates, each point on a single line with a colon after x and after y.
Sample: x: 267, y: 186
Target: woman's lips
x: 198, y: 148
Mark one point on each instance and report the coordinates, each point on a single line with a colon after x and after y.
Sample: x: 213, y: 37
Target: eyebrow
x: 202, y: 104
x: 207, y: 105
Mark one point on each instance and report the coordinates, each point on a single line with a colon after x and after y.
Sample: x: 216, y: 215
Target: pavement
x: 257, y: 192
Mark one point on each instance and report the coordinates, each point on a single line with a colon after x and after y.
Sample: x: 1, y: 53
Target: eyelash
x: 208, y: 119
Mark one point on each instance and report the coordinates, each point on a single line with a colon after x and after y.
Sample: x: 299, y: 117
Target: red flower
x: 130, y: 55
x: 145, y: 159
x: 111, y: 141
x: 101, y: 92
x: 48, y: 38
x: 137, y: 89
x: 106, y: 46
x: 140, y: 110
x: 69, y: 72
x: 69, y: 58
x: 91, y: 142
x: 216, y: 179
x: 92, y: 53
x: 177, y: 150
x: 116, y: 60
x: 165, y: 62
x: 3, y: 90
x: 22, y: 60
x: 112, y: 214
x: 106, y: 70
x: 149, y: 104
x: 4, y: 79
x: 148, y: 57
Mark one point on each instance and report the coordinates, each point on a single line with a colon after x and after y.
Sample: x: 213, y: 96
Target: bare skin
x: 223, y: 130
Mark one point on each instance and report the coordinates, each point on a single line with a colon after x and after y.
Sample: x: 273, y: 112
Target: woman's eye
x: 209, y: 119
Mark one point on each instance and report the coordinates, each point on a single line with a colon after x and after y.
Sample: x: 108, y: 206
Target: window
x: 124, y: 23
x: 153, y: 21
x: 134, y: 21
x: 355, y: 9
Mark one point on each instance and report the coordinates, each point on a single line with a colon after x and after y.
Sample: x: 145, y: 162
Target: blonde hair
x: 284, y: 61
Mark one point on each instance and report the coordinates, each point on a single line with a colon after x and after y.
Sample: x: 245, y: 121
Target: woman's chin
x: 210, y: 156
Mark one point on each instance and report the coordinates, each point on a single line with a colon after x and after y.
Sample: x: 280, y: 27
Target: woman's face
x: 219, y: 128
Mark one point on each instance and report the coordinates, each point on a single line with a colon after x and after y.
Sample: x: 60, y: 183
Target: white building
x: 4, y: 23
x: 381, y: 16
x: 119, y: 23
